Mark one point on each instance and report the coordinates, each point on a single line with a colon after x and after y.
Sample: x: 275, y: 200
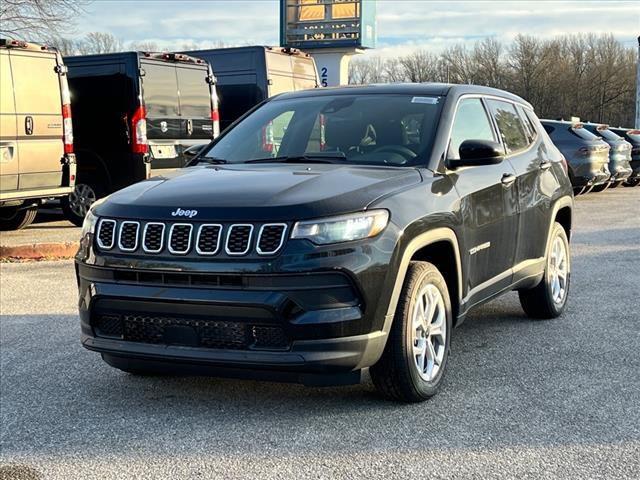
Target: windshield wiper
x: 308, y: 158
x: 212, y: 160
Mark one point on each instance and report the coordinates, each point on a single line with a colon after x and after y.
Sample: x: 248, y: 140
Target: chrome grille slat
x: 208, y: 238
x: 153, y: 237
x: 271, y: 238
x: 180, y: 238
x: 128, y: 236
x: 238, y: 240
x: 106, y: 237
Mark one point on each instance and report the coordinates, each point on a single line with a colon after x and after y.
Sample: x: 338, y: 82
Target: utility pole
x: 638, y: 89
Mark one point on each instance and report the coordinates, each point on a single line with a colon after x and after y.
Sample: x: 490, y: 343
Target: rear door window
x: 471, y: 123
x: 583, y: 133
x: 195, y: 96
x: 160, y: 84
x: 510, y: 125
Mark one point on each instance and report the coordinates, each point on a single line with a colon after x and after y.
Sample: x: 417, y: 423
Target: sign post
x: 332, y: 31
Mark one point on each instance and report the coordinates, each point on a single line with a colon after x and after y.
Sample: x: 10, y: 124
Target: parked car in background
x: 36, y: 135
x: 586, y: 153
x: 633, y: 137
x: 247, y: 76
x: 134, y: 115
x: 330, y: 254
x: 619, y: 155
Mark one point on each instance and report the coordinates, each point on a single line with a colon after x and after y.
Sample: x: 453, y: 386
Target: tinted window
x: 356, y: 126
x: 160, y: 90
x: 529, y: 127
x: 471, y: 123
x: 609, y: 135
x: 583, y: 133
x: 195, y: 96
x: 510, y: 125
x: 548, y: 128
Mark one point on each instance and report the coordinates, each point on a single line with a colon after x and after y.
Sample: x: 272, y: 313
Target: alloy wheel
x: 559, y: 270
x: 81, y: 199
x: 429, y: 328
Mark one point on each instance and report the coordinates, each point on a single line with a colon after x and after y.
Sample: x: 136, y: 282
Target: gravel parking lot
x: 522, y: 398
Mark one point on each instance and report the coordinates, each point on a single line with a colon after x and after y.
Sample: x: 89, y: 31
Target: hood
x: 258, y: 192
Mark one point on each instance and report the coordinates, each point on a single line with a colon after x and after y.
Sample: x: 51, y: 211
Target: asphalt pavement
x: 522, y: 399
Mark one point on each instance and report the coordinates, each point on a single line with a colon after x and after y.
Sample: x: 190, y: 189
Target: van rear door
x: 39, y: 118
x: 195, y: 103
x: 178, y: 104
x: 9, y: 164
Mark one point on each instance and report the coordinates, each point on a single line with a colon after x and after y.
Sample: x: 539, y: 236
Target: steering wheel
x: 401, y: 150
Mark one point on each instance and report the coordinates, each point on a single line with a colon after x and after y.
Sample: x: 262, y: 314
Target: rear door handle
x: 545, y: 165
x: 508, y: 179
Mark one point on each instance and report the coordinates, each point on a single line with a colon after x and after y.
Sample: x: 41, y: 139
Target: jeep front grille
x: 271, y: 238
x: 239, y: 239
x: 153, y: 237
x: 180, y: 238
x: 106, y: 234
x: 128, y: 239
x: 208, y: 241
x: 194, y: 239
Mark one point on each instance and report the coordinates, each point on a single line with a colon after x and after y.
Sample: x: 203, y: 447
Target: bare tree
x: 145, y: 46
x: 100, y: 42
x: 421, y: 66
x: 37, y: 19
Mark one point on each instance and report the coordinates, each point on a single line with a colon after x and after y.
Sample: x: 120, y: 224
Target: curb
x: 39, y: 251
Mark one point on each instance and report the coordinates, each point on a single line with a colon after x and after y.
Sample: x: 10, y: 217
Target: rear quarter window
x: 510, y: 125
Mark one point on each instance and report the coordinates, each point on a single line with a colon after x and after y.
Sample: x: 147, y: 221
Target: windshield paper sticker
x: 427, y: 100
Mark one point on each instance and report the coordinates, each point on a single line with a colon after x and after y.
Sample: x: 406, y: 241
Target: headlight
x: 89, y: 224
x: 343, y: 228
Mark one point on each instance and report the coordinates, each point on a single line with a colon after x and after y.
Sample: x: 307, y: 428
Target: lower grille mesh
x: 216, y: 334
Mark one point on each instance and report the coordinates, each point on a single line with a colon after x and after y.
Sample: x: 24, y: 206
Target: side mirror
x: 477, y: 152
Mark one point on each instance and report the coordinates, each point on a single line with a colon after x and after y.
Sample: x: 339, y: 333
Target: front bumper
x: 310, y: 312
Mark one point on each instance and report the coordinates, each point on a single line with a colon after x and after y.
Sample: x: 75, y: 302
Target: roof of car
x: 440, y: 89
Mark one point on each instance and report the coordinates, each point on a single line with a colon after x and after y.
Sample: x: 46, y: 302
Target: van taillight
x: 67, y: 128
x: 139, y: 142
x: 267, y: 137
x: 215, y: 117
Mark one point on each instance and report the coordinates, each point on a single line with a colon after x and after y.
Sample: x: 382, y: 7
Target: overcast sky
x: 402, y: 25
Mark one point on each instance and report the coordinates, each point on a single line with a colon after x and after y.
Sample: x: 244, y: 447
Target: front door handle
x: 545, y: 165
x: 508, y: 179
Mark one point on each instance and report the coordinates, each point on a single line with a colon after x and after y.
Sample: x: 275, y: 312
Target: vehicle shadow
x: 510, y: 381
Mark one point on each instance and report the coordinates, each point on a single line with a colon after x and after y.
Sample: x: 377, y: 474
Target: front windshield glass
x: 380, y: 129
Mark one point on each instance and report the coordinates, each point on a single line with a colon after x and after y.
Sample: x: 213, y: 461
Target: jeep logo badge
x: 184, y: 213
x: 163, y: 127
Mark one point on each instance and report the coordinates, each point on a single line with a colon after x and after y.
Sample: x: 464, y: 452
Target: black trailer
x: 134, y: 113
x: 248, y: 75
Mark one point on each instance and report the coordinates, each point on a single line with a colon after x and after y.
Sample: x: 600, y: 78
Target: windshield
x: 377, y: 129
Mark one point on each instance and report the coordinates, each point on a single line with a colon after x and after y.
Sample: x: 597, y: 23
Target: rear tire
x: 549, y: 298
x: 76, y: 205
x: 634, y: 182
x: 415, y: 356
x: 13, y: 218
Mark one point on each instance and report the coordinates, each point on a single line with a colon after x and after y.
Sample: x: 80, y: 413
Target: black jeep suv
x: 328, y: 231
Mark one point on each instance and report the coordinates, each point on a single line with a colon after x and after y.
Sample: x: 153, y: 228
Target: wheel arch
x: 88, y: 163
x: 439, y: 247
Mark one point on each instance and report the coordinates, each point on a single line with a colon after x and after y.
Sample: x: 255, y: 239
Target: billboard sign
x: 328, y: 23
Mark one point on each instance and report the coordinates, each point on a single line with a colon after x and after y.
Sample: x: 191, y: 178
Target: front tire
x: 415, y: 356
x: 549, y: 298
